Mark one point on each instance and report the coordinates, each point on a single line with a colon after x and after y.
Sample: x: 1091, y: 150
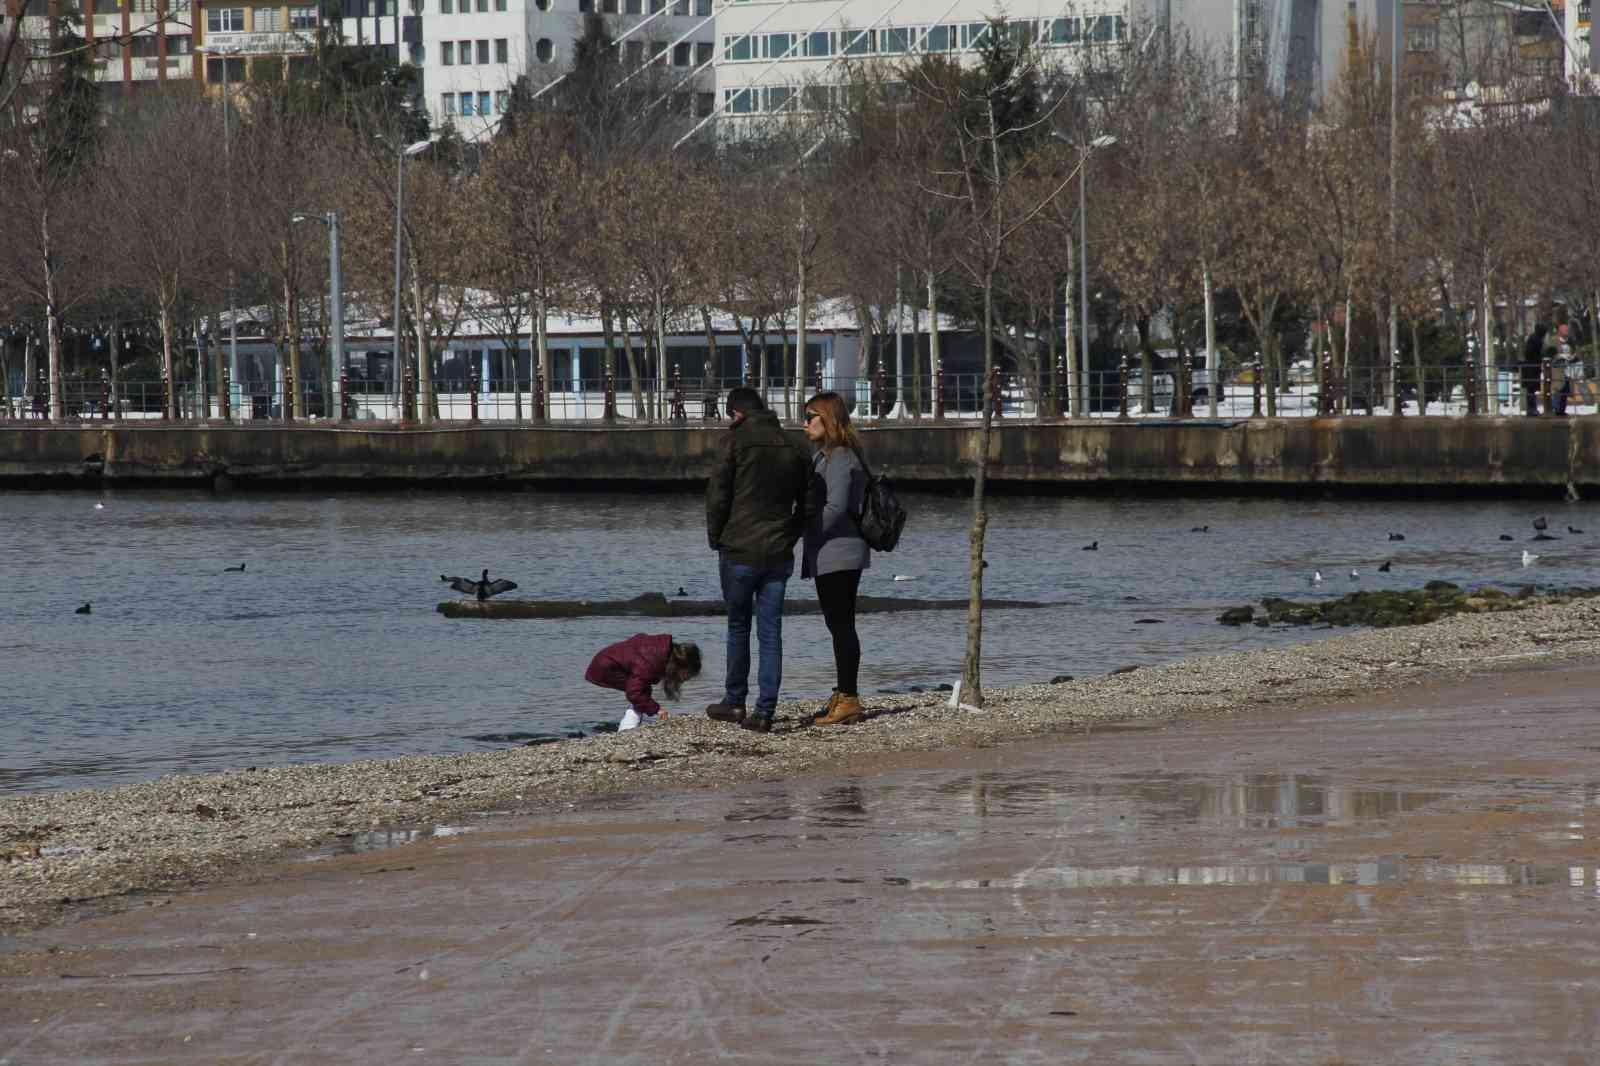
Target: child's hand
x: 662, y: 714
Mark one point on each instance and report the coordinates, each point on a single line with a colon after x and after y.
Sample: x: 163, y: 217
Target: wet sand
x: 1402, y: 876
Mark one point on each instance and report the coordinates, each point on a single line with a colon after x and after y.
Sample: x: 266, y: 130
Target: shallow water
x: 328, y: 647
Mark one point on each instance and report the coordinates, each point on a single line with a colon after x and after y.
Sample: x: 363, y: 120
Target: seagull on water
x: 1316, y: 577
x: 1355, y: 575
x: 905, y: 577
x: 1528, y: 558
x: 99, y: 507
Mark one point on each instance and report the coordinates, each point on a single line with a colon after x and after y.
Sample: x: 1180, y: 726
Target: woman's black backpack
x: 882, y: 518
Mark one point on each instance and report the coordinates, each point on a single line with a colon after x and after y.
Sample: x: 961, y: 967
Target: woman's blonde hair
x: 836, y: 428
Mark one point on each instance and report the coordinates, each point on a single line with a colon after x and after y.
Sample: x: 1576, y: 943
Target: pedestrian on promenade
x: 1532, y: 357
x: 835, y: 553
x: 632, y: 666
x: 756, y: 510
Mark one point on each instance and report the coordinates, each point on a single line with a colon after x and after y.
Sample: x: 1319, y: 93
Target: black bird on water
x: 1574, y: 530
x: 85, y: 609
x: 483, y: 588
x: 234, y: 569
x: 1507, y: 536
x: 1541, y: 523
x: 1397, y: 536
x: 1384, y: 569
x: 1094, y: 547
x: 1200, y: 529
x: 681, y: 591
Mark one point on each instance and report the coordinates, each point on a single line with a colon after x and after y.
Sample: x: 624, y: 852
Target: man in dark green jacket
x: 757, y: 505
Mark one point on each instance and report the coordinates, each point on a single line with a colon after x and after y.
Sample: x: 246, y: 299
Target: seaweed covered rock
x: 1406, y: 607
x: 1237, y: 616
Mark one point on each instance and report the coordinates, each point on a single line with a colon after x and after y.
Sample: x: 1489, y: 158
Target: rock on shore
x: 1435, y: 600
x: 60, y: 850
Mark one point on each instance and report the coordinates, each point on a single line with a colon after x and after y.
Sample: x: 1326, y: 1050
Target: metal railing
x: 1453, y: 391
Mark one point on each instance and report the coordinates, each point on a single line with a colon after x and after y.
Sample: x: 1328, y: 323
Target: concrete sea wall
x: 1510, y: 455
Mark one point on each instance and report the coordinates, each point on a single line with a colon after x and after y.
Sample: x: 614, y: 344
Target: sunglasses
x: 810, y: 415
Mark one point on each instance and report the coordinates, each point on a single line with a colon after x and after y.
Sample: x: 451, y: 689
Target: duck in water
x: 482, y: 588
x: 85, y: 609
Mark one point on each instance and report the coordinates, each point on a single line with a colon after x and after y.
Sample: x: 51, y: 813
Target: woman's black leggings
x: 836, y: 592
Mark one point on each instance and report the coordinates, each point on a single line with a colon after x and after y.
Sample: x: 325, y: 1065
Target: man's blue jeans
x: 755, y: 591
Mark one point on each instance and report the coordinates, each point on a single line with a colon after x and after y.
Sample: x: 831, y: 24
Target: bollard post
x: 1063, y: 401
x: 166, y: 397
x: 1546, y: 385
x: 680, y: 409
x: 472, y: 400
x: 345, y: 402
x: 880, y: 398
x: 1471, y: 386
x: 938, y: 395
x: 1255, y: 389
x: 408, y: 397
x: 819, y: 376
x: 611, y: 397
x: 1122, y: 388
x: 1325, y: 385
x: 538, y: 398
x: 288, y: 394
x: 105, y: 396
x: 225, y: 395
x: 994, y: 391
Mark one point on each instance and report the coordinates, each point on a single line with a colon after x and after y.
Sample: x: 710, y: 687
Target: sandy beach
x: 72, y: 853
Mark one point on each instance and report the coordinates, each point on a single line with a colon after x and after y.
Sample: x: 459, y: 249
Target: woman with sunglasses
x: 833, y: 552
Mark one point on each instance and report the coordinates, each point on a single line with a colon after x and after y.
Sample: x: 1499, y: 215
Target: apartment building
x: 134, y: 41
x: 257, y: 42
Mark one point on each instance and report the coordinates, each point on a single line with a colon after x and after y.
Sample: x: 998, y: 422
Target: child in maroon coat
x: 631, y: 666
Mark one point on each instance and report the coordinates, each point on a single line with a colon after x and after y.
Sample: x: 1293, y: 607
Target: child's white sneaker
x: 630, y: 720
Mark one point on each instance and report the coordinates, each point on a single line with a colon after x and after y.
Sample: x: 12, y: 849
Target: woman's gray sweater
x: 833, y: 540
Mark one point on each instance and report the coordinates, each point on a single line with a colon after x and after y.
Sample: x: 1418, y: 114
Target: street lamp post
x: 401, y: 152
x: 233, y: 314
x: 1104, y: 141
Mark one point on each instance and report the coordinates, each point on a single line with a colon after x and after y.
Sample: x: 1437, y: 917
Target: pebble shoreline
x: 60, y: 851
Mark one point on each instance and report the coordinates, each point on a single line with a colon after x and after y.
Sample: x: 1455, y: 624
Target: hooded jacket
x: 758, y: 499
x: 632, y: 666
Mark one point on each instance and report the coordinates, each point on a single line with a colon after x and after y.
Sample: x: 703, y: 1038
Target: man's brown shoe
x: 725, y: 712
x: 846, y: 709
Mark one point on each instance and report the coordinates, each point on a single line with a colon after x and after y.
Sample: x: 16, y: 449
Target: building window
x: 736, y: 49
x: 703, y: 104
x: 585, y: 6
x: 446, y: 7
x: 218, y: 70
x: 499, y: 5
x: 633, y: 7
x: 483, y: 52
x: 502, y: 50
x: 657, y: 6
x: 543, y: 50
x: 268, y: 19
x: 680, y: 7
x: 1065, y: 31
x: 680, y: 54
x: 859, y: 42
x: 542, y: 5
x: 739, y: 101
x: 635, y: 51
x: 608, y: 7
x: 483, y: 6
x: 702, y: 8
x: 225, y: 20
x: 447, y: 53
x: 448, y: 102
x: 1422, y: 38
x: 820, y: 44
x: 418, y: 54
x: 778, y: 45
x: 895, y: 40
x: 704, y: 52
x: 779, y: 97
x: 485, y: 107
x: 502, y: 102
x: 466, y: 104
x: 302, y: 18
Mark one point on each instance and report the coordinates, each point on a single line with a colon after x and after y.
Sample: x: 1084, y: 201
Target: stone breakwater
x: 61, y: 851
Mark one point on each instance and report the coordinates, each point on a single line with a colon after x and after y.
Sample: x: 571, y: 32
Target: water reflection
x: 1377, y: 872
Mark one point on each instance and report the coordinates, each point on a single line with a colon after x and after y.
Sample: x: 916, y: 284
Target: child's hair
x: 683, y: 663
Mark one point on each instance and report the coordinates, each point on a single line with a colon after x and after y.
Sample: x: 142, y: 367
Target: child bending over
x: 631, y: 666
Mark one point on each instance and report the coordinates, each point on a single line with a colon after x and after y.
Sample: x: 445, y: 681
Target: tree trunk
x: 291, y: 337
x: 541, y: 331
x: 933, y: 338
x: 1213, y: 371
x: 30, y: 372
x: 916, y: 361
x: 116, y: 371
x: 660, y: 317
x: 789, y: 387
x: 971, y: 669
x: 1486, y: 376
x: 167, y: 367
x: 427, y: 408
x: 633, y: 370
x: 608, y: 324
x: 1416, y: 363
x: 711, y: 354
x: 52, y: 318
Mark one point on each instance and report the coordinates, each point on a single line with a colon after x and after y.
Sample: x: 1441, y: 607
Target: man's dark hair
x: 744, y: 400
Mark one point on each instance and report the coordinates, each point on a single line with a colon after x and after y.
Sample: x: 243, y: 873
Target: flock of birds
x: 483, y: 589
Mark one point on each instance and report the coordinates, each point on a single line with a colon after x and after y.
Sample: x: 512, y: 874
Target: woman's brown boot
x: 846, y: 709
x: 827, y: 708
